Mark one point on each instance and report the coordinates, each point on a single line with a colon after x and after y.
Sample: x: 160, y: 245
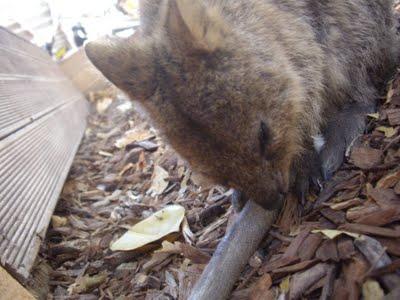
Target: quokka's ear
x: 194, y: 27
x: 127, y: 63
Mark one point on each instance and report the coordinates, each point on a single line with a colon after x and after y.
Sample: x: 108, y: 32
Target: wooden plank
x: 42, y: 120
x: 10, y: 289
x: 24, y: 72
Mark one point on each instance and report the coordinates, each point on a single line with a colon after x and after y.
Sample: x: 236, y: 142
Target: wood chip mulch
x: 345, y: 244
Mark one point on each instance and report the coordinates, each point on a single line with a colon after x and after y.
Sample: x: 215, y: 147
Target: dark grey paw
x: 238, y: 201
x: 341, y: 130
x: 308, y: 175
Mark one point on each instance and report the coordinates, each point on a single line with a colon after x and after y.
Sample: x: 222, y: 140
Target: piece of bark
x: 391, y: 268
x: 345, y: 247
x: 334, y: 186
x: 115, y: 259
x: 261, y: 288
x: 383, y: 197
x: 365, y: 157
x: 281, y: 237
x: 318, y: 285
x: 278, y: 263
x: 340, y: 290
x: 289, y: 215
x: 281, y: 272
x: 357, y: 212
x: 39, y: 282
x: 378, y: 258
x: 381, y: 217
x: 328, y: 251
x: 291, y: 251
x: 327, y: 290
x: 208, y: 215
x: 354, y: 272
x: 302, y: 281
x: 337, y: 217
x: 393, y: 116
x: 389, y: 181
x: 346, y: 204
x: 397, y: 188
x: 373, y: 230
x: 392, y: 245
x: 393, y: 295
x: 187, y: 276
x: 373, y: 251
x: 309, y: 246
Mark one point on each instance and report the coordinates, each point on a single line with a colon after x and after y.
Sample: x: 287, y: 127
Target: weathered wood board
x: 42, y: 120
x: 10, y: 289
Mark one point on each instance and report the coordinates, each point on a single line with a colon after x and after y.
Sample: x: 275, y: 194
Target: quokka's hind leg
x: 341, y: 130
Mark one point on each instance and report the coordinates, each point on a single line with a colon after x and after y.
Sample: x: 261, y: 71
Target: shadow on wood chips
x: 312, y: 252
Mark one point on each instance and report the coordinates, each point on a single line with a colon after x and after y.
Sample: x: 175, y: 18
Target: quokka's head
x: 220, y: 97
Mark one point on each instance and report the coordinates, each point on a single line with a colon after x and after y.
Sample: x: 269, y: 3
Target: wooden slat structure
x: 42, y: 120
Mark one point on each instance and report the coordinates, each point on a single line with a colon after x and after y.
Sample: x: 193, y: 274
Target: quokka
x: 241, y: 89
x: 260, y: 95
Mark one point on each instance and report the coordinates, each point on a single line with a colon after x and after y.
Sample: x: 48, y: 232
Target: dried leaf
x: 103, y: 104
x: 371, y: 290
x: 153, y: 228
x: 374, y: 116
x: 332, y: 234
x: 105, y: 153
x: 346, y: 204
x: 132, y: 136
x: 285, y: 285
x: 390, y: 93
x: 388, y: 131
x: 159, y: 181
x: 57, y: 221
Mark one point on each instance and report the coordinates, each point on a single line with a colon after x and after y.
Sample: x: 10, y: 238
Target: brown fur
x: 211, y: 74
